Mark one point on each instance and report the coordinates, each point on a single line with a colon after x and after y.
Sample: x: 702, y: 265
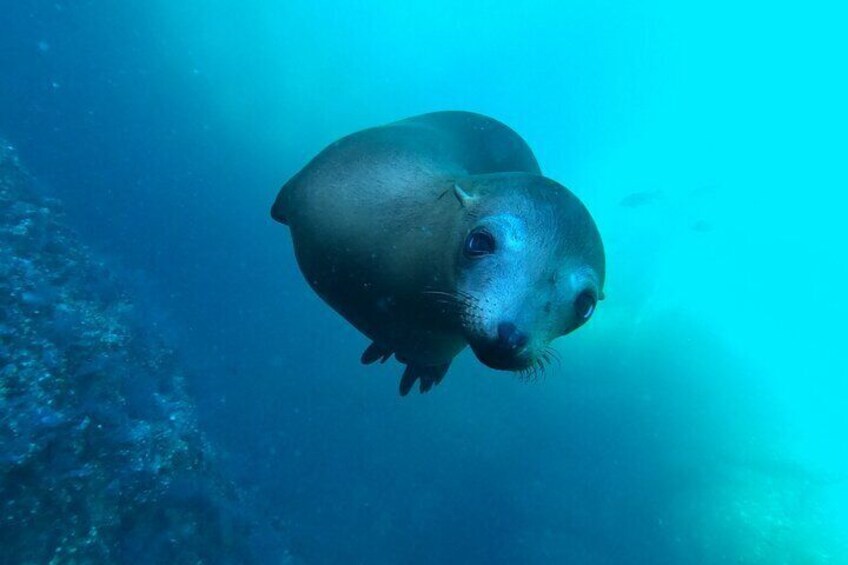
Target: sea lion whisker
x: 446, y: 298
x: 457, y: 296
x: 554, y: 355
x: 542, y: 367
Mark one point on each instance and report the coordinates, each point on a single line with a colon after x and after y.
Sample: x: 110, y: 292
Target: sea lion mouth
x: 498, y: 358
x: 527, y: 363
x: 507, y: 350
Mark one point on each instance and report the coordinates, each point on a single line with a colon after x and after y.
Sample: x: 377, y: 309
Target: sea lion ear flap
x: 279, y: 208
x: 464, y: 199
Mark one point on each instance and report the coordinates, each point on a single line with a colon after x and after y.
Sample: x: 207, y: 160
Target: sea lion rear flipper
x: 374, y: 353
x: 429, y: 375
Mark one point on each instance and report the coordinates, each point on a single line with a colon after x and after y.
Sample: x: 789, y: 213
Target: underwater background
x: 172, y: 390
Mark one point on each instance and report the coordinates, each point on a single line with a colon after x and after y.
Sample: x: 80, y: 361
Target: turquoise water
x: 701, y: 417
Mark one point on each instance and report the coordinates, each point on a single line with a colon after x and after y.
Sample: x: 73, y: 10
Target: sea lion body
x: 378, y: 219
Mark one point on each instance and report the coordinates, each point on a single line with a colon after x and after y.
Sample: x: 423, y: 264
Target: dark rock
x: 101, y: 459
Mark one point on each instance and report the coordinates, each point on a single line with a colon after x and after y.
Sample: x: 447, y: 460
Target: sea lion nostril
x: 506, y: 331
x: 521, y: 340
x: 509, y: 336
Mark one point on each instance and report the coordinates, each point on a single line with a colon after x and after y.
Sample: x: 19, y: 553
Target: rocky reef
x: 101, y: 459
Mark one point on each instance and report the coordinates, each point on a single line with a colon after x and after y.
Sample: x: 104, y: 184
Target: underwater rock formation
x: 101, y: 459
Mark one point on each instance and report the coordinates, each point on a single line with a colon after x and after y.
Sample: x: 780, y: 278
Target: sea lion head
x: 529, y: 267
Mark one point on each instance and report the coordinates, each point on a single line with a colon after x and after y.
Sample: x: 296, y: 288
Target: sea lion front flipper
x: 374, y: 353
x: 429, y: 375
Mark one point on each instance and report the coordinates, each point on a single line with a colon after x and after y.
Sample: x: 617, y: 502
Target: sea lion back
x: 480, y: 144
x: 417, y: 150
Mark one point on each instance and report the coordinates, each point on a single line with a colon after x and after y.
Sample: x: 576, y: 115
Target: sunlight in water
x: 701, y: 416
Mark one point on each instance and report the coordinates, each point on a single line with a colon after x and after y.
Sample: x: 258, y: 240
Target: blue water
x: 701, y: 417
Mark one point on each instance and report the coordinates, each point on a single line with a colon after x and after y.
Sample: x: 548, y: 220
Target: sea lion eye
x: 479, y: 243
x: 584, y: 305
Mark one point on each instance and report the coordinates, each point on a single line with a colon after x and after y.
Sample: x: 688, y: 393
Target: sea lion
x: 437, y: 232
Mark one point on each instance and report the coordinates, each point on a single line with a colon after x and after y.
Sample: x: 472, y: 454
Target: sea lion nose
x: 510, y: 338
